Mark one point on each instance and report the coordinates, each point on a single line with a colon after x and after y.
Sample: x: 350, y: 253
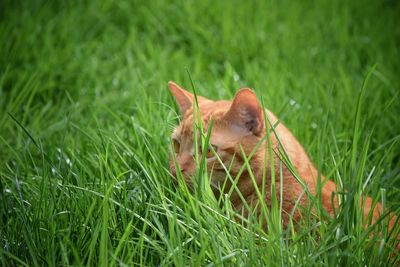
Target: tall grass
x: 86, y: 121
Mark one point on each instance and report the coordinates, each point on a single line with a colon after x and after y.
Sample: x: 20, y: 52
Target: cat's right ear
x: 183, y: 98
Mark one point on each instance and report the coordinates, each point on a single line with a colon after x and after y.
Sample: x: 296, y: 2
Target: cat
x: 240, y: 124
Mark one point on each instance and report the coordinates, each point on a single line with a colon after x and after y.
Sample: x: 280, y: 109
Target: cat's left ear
x: 245, y: 113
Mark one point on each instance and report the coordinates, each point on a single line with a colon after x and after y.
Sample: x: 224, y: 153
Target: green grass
x: 86, y: 118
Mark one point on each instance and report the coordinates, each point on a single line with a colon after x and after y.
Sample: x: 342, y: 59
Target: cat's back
x: 293, y: 148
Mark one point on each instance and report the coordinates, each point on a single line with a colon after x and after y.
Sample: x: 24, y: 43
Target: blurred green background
x: 87, y: 80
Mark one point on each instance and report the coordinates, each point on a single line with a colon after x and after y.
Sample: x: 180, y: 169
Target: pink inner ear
x: 246, y: 112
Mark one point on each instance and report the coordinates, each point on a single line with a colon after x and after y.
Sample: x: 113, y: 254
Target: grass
x: 86, y: 121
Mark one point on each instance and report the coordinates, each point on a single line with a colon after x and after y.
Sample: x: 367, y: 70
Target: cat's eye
x: 177, y: 146
x: 209, y: 152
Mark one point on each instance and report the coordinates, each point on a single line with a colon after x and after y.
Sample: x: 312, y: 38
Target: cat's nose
x: 185, y: 163
x: 185, y: 166
x: 173, y: 172
x: 183, y: 169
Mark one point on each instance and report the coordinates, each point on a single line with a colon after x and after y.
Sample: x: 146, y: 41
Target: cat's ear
x: 245, y: 113
x: 183, y: 98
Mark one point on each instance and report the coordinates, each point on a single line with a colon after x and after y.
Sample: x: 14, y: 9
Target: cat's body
x: 239, y: 124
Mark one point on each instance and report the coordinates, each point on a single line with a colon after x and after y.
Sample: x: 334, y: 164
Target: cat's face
x: 236, y: 124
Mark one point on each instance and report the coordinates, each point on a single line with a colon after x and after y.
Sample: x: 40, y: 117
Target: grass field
x: 86, y: 117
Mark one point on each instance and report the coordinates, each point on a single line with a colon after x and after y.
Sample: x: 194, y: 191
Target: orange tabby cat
x: 240, y: 124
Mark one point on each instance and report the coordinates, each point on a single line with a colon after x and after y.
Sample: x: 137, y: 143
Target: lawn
x: 86, y: 118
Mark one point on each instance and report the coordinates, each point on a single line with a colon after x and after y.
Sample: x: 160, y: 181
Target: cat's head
x: 238, y: 126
